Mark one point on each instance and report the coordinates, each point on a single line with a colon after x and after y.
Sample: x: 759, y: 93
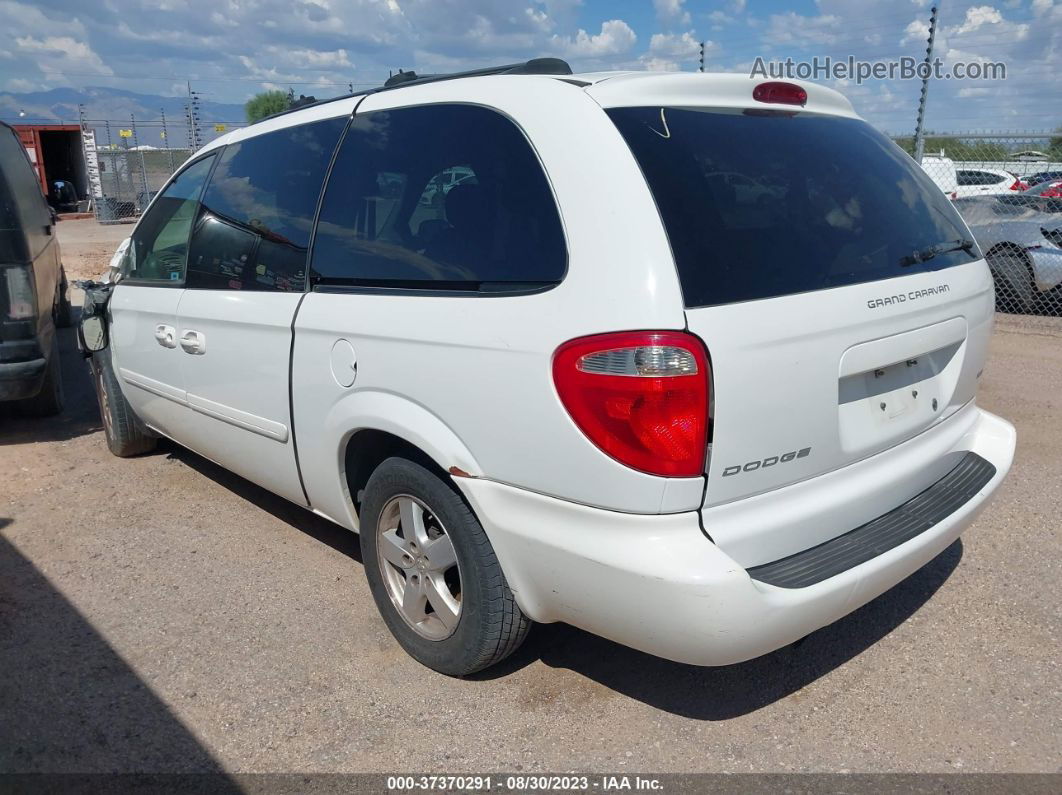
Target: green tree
x: 1054, y: 148
x: 266, y: 104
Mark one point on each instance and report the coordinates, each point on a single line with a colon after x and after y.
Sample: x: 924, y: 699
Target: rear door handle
x: 193, y: 342
x: 166, y: 336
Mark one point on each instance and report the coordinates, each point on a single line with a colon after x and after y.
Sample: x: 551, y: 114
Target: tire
x: 1012, y: 274
x: 49, y: 401
x: 488, y: 625
x: 125, y: 435
x: 63, y: 313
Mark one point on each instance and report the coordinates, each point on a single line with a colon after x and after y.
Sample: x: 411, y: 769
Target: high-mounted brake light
x: 779, y: 93
x: 641, y: 397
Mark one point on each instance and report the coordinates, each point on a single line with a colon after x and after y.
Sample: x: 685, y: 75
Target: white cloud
x: 616, y: 38
x: 792, y: 28
x: 916, y: 30
x: 671, y: 12
x: 63, y: 52
x: 669, y: 52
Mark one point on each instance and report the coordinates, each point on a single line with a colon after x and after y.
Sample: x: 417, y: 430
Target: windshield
x: 757, y: 206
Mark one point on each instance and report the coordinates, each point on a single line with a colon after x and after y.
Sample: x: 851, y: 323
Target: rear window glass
x: 768, y: 205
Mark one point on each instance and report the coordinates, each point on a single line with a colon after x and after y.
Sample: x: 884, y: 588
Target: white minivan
x: 589, y: 383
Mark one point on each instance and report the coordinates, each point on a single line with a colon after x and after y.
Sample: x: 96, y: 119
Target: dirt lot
x: 159, y: 614
x: 88, y: 246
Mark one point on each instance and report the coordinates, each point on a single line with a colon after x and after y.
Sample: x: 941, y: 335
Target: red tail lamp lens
x: 641, y: 397
x: 780, y: 93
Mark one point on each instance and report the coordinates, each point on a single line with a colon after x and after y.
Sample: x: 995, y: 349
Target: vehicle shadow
x: 735, y: 690
x: 70, y: 703
x: 318, y: 528
x: 80, y: 414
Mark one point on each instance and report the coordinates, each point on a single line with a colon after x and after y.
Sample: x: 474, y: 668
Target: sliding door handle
x: 193, y: 342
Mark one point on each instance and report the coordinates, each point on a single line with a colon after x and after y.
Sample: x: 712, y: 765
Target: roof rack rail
x: 536, y: 66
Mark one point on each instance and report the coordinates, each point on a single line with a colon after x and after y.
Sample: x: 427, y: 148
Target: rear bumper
x: 1047, y: 267
x: 20, y: 380
x: 656, y: 583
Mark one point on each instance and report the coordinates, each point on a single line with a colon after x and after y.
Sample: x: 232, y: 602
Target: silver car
x: 1021, y: 235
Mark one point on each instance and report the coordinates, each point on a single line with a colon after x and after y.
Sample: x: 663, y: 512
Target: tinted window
x: 253, y: 230
x: 823, y: 202
x: 159, y: 249
x: 444, y: 196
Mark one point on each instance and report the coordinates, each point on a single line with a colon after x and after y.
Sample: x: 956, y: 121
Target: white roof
x: 609, y: 89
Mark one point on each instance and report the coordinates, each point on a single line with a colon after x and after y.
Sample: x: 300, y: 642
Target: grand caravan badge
x: 903, y: 298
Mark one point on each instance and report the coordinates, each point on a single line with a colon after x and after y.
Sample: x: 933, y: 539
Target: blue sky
x: 232, y: 48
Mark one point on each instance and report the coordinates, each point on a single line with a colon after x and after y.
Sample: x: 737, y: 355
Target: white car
x: 943, y: 172
x: 599, y: 391
x: 986, y: 182
x: 1021, y: 236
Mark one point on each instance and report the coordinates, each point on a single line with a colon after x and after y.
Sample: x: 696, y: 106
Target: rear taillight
x: 780, y: 93
x: 21, y: 297
x: 1019, y: 185
x: 641, y: 396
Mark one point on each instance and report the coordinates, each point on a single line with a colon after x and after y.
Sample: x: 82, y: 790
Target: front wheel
x: 125, y: 436
x: 433, y: 573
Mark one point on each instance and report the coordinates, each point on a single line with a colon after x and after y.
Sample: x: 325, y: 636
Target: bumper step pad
x: 880, y: 535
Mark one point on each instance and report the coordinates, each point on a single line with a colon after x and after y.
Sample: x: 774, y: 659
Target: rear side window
x: 757, y: 206
x: 253, y: 230
x: 438, y: 197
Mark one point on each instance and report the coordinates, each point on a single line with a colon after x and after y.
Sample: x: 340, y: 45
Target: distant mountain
x: 114, y: 105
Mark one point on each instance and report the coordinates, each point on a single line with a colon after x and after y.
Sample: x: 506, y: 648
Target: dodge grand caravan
x: 589, y: 381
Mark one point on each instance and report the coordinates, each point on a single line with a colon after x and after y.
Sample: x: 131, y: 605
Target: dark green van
x: 33, y: 295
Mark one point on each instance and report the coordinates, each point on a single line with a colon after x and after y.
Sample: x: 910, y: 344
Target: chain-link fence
x: 124, y: 173
x: 1008, y: 189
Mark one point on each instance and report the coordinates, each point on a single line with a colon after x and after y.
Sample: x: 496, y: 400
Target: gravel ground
x: 87, y: 246
x: 159, y: 614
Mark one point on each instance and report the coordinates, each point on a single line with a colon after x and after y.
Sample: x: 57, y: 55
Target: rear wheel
x: 1012, y: 273
x: 49, y: 401
x: 125, y: 435
x: 433, y: 573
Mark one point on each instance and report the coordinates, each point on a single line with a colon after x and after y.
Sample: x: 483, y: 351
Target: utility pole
x: 166, y: 138
x: 136, y: 145
x: 192, y: 114
x: 920, y: 141
x: 702, y: 58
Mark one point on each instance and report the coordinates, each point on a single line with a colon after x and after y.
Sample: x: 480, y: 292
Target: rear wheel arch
x: 367, y: 448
